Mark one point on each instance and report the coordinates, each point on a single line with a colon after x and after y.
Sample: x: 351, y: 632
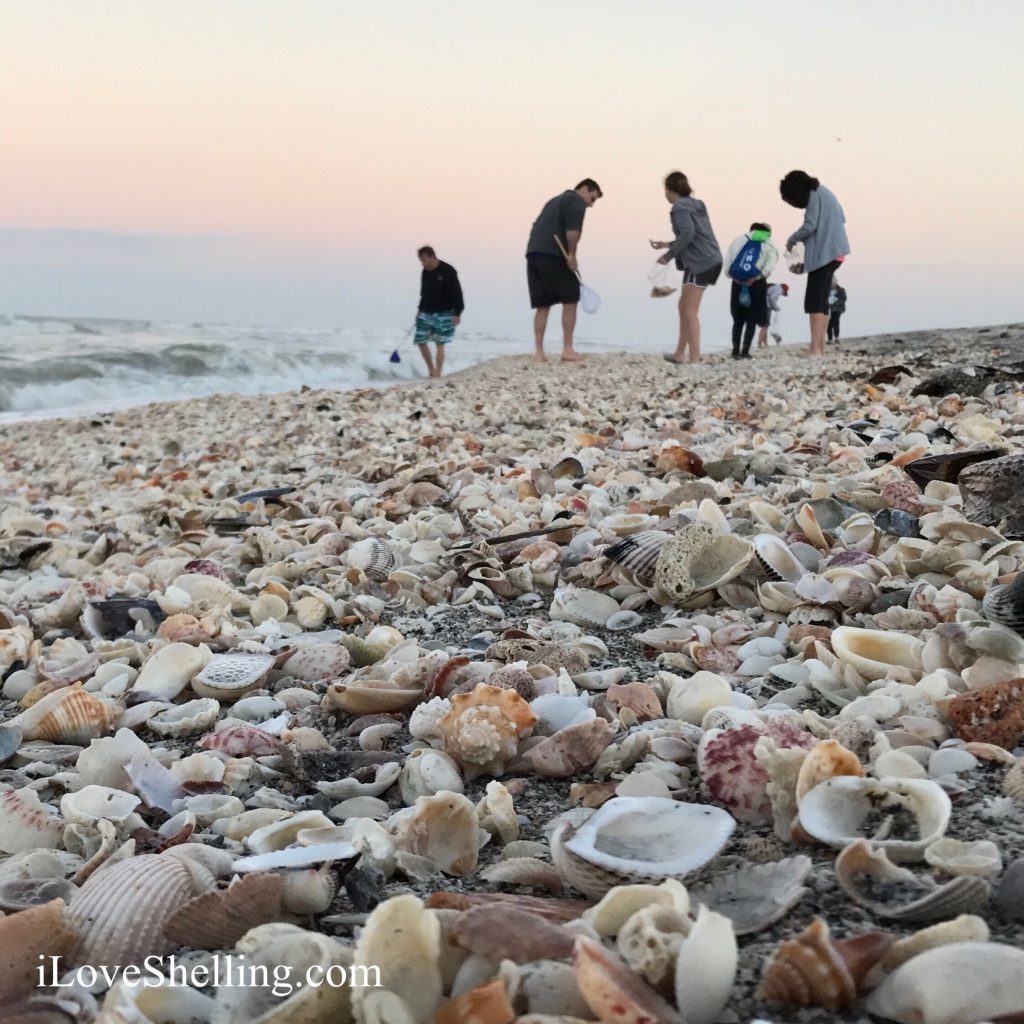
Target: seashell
x: 1009, y: 896
x: 994, y: 714
x: 873, y: 653
x: 510, y: 933
x: 826, y: 760
x: 68, y: 715
x: 372, y: 557
x: 443, y: 828
x: 586, y: 608
x: 268, y: 606
x: 612, y: 991
x: 756, y: 895
x: 370, y: 780
x: 88, y: 805
x: 298, y: 857
x: 284, y: 832
x: 621, y: 621
x: 649, y: 943
x: 14, y: 646
x: 361, y: 807
x: 837, y: 809
x: 309, y: 890
x: 959, y: 983
x: 638, y: 839
x: 638, y: 699
x: 240, y: 826
x: 367, y: 699
x: 314, y: 662
x: 241, y: 741
x: 777, y: 559
x: 208, y: 591
x: 26, y: 938
x: 530, y: 871
x: 705, y: 970
x: 816, y: 970
x: 1004, y: 604
x: 571, y: 750
x: 26, y: 823
x: 807, y: 524
x: 697, y: 560
x: 991, y: 494
x: 10, y: 740
x: 154, y: 1002
x: 496, y: 813
x: 226, y: 677
x: 426, y: 772
x: 638, y: 554
x: 1013, y: 782
x: 34, y: 892
x: 311, y: 612
x: 186, y: 719
x: 619, y: 904
x: 488, y: 1002
x: 219, y: 918
x: 402, y: 941
x: 929, y: 902
x: 689, y: 700
x: 167, y: 672
x: 482, y: 730
x: 121, y: 910
x: 955, y: 857
x: 965, y: 928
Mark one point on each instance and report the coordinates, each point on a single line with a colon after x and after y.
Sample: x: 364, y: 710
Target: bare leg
x: 688, y: 349
x: 540, y: 323
x: 427, y: 358
x: 762, y: 337
x: 569, y: 354
x: 819, y: 328
x: 438, y: 360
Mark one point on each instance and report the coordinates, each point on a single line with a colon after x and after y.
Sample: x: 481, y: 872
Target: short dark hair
x: 591, y: 184
x: 426, y: 250
x: 761, y: 226
x: 796, y: 188
x: 677, y: 182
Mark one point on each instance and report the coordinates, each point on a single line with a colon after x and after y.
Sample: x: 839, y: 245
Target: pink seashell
x: 731, y: 772
x: 242, y: 741
x: 207, y: 568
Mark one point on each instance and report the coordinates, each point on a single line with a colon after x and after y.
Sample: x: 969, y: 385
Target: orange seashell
x: 551, y: 909
x: 218, y: 919
x: 591, y: 794
x: 911, y: 455
x: 485, y: 1004
x: 26, y: 938
x: 994, y: 714
x: 825, y: 760
x: 481, y: 733
x: 952, y: 405
x: 638, y: 698
x: 815, y: 970
x: 69, y: 715
x: 527, y: 489
x: 679, y: 458
x: 873, y: 393
x: 613, y: 991
x: 591, y: 440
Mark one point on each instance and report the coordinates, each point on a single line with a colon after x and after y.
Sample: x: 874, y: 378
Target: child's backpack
x: 744, y: 266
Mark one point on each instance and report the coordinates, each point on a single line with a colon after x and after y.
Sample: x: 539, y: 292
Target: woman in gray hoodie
x: 697, y: 255
x: 823, y: 233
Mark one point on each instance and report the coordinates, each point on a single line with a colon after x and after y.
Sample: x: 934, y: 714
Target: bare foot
x: 540, y: 358
x: 572, y: 357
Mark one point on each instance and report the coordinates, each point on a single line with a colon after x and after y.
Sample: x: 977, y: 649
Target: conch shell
x: 482, y: 731
x: 68, y: 715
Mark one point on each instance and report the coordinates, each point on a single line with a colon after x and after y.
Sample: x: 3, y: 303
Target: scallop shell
x: 227, y: 677
x: 777, y: 559
x: 834, y: 811
x: 815, y: 970
x: 756, y: 895
x: 697, y: 560
x: 194, y: 716
x: 638, y: 554
x: 26, y: 938
x: 121, y: 910
x: 930, y: 902
x: 373, y: 557
x: 962, y: 983
x: 26, y: 823
x: 68, y: 715
x: 482, y: 730
x: 219, y: 918
x: 638, y: 839
x: 586, y: 608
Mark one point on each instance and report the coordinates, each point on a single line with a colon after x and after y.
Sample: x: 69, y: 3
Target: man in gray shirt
x: 552, y: 271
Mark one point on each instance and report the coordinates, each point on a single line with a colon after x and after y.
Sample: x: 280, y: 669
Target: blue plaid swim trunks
x: 436, y: 327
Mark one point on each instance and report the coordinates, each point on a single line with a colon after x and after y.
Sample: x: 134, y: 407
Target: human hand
x: 573, y: 265
x: 658, y: 245
x: 664, y: 259
x: 456, y: 320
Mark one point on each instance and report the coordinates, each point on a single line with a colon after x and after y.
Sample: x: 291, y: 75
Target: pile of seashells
x: 665, y: 707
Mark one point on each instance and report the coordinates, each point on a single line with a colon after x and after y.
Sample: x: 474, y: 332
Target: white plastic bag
x: 795, y: 259
x: 660, y: 276
x: 589, y: 299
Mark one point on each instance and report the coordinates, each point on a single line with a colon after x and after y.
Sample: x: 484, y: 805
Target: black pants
x: 746, y: 318
x: 833, y: 326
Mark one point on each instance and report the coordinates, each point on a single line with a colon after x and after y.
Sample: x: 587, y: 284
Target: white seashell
x: 297, y: 857
x: 638, y: 839
x: 962, y: 983
x: 372, y: 780
x: 242, y: 825
x: 965, y: 928
x: 873, y: 653
x: 103, y: 762
x: 226, y: 677
x: 167, y: 672
x: 626, y: 523
x: 529, y: 871
x: 778, y: 559
x: 586, y: 608
x: 756, y: 895
x: 279, y: 834
x: 88, y: 805
x: 955, y: 857
x: 898, y: 765
x: 556, y: 711
x: 188, y: 719
x: 619, y: 904
x: 623, y: 620
x: 443, y: 828
x: 835, y: 811
x: 427, y: 772
x: 267, y: 607
x: 697, y: 560
x: 208, y: 591
x: 144, y: 1004
x: 210, y: 807
x: 689, y: 700
x: 705, y: 969
x: 360, y: 807
x: 950, y: 761
x: 26, y: 823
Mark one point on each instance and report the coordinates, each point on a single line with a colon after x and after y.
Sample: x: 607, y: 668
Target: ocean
x: 55, y: 366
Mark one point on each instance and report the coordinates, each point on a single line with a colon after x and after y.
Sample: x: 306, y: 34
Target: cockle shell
x: 777, y: 559
x: 816, y: 970
x: 241, y: 741
x: 227, y: 677
x: 167, y: 672
x: 26, y: 823
x: 194, y: 716
x: 373, y: 557
x: 313, y: 662
x: 443, y: 828
x: 638, y: 554
x: 960, y: 983
x: 68, y: 715
x: 26, y: 938
x: 873, y: 653
x: 927, y: 902
x: 835, y: 811
x: 638, y: 839
x: 756, y: 895
x: 482, y: 730
x: 219, y: 918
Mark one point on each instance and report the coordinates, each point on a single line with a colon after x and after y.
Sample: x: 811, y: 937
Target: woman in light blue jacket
x: 823, y: 233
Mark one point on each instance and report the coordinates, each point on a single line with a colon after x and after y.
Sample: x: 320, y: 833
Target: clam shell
x: 638, y: 554
x: 26, y: 938
x: 1005, y: 604
x: 88, y: 805
x: 167, y: 672
x: 227, y: 677
x: 756, y: 895
x: 26, y: 823
x: 632, y: 840
x: 586, y: 608
x: 834, y: 812
x: 777, y: 559
x: 373, y: 557
x: 928, y: 901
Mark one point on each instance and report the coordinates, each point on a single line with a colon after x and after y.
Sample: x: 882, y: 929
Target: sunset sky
x: 268, y: 162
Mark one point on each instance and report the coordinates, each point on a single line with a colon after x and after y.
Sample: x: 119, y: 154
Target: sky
x: 250, y: 161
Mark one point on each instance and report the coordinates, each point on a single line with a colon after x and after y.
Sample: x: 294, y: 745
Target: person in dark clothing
x: 440, y: 308
x: 836, y: 308
x: 552, y: 272
x: 748, y: 302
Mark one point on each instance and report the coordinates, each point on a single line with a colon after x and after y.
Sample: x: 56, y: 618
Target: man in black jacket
x: 440, y: 308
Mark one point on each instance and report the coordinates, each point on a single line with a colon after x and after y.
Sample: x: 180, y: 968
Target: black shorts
x: 551, y: 282
x: 704, y: 278
x: 819, y: 283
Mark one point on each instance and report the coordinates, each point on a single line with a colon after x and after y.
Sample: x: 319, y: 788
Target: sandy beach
x: 714, y: 586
